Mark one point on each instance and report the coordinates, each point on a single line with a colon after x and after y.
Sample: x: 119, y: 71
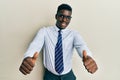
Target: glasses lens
x: 63, y: 16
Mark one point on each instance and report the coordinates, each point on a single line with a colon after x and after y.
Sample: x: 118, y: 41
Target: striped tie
x: 59, y: 54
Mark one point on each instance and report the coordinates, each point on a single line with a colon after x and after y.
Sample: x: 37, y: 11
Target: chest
x: 51, y: 38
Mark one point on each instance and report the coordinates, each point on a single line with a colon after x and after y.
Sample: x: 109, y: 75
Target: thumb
x: 35, y: 56
x: 84, y: 54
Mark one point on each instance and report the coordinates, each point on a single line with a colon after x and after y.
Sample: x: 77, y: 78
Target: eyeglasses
x: 63, y: 16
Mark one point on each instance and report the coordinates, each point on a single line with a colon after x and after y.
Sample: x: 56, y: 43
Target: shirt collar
x: 63, y: 30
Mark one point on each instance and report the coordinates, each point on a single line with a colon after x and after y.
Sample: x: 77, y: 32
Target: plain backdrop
x: 98, y: 21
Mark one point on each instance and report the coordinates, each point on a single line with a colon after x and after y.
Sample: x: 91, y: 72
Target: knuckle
x: 20, y: 69
x: 90, y: 71
x: 24, y: 62
x: 29, y: 72
x: 31, y: 69
x: 88, y: 67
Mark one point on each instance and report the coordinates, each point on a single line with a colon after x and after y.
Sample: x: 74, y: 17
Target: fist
x: 28, y: 64
x: 89, y: 63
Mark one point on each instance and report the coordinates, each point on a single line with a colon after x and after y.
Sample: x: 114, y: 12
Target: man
x: 58, y: 43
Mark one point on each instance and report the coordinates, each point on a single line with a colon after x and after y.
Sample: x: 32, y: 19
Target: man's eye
x: 61, y: 16
x: 69, y: 17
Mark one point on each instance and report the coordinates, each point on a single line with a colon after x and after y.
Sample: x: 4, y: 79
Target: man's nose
x: 64, y: 19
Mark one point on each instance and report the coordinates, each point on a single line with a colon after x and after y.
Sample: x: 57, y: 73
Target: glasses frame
x: 64, y: 16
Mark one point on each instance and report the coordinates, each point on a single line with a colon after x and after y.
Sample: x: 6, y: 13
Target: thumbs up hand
x: 89, y: 63
x: 28, y: 64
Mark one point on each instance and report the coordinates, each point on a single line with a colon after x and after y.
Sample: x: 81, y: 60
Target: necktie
x: 59, y: 54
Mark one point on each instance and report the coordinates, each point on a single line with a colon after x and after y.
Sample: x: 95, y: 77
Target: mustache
x: 64, y: 22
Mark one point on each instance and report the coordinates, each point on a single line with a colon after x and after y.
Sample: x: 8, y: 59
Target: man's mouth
x: 63, y: 24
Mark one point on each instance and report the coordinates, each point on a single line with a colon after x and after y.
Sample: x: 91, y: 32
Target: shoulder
x: 46, y: 28
x: 74, y: 31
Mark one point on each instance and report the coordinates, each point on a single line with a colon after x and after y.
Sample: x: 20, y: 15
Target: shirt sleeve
x: 80, y: 45
x: 37, y: 44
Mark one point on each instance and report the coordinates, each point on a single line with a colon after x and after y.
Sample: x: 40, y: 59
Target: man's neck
x: 60, y: 28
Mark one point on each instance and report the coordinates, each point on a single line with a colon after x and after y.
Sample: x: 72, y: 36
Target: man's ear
x: 56, y: 16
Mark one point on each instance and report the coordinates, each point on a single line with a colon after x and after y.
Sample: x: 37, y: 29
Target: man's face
x: 63, y: 18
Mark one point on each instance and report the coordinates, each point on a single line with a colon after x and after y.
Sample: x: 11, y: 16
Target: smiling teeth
x: 63, y: 24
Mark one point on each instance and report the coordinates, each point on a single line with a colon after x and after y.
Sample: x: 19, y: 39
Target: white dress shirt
x: 46, y: 38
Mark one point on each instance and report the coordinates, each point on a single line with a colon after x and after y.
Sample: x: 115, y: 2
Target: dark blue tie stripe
x: 58, y: 64
x: 58, y: 48
x: 59, y: 55
x: 58, y: 59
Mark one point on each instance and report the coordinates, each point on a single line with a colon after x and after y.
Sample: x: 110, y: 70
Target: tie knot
x: 59, y: 31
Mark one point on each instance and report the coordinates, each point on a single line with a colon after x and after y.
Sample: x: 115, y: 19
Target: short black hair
x: 64, y: 7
